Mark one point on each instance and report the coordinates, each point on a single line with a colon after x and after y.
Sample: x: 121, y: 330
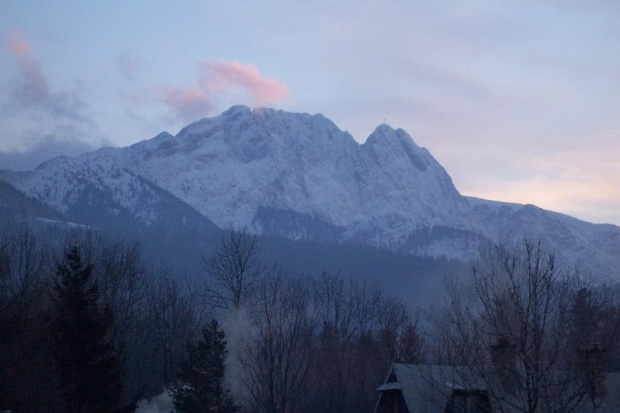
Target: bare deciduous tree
x: 124, y: 282
x: 232, y: 270
x: 279, y: 353
x: 361, y: 330
x: 514, y: 323
x: 174, y: 319
x: 24, y: 270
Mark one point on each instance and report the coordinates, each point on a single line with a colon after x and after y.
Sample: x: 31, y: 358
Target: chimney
x: 504, y: 358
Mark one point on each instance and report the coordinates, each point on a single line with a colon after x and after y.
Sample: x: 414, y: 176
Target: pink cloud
x: 223, y: 75
x: 31, y: 89
x: 19, y: 46
x: 190, y: 101
x: 219, y: 80
x: 34, y: 86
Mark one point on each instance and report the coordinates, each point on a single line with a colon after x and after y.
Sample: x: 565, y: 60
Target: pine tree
x: 84, y: 351
x: 200, y: 387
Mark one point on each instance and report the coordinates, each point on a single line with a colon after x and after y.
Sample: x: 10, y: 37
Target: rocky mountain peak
x: 388, y: 145
x: 293, y: 175
x: 230, y: 166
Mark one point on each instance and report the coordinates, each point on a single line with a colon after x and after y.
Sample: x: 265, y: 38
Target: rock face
x: 298, y: 176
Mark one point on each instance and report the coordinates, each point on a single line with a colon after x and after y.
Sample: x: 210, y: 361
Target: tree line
x: 87, y: 325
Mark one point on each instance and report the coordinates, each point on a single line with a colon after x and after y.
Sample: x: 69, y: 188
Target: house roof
x: 427, y: 389
x: 390, y: 386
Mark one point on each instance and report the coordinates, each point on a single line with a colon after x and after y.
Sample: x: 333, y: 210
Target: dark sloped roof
x: 427, y: 389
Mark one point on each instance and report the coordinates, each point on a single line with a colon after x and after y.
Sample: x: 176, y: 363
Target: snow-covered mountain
x: 300, y: 177
x: 578, y: 244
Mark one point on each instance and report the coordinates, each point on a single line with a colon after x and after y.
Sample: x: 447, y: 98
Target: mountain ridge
x: 299, y: 176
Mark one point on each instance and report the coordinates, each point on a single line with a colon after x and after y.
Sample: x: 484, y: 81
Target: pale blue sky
x: 518, y: 100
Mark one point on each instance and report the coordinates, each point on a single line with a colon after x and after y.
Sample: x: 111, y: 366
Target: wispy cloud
x: 218, y: 81
x: 222, y: 75
x: 45, y: 148
x: 41, y: 121
x: 187, y: 101
x: 33, y: 86
x: 32, y: 90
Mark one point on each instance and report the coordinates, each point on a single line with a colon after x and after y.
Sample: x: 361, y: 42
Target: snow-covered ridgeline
x: 300, y: 176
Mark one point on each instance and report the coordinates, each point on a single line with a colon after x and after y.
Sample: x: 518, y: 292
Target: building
x: 410, y: 388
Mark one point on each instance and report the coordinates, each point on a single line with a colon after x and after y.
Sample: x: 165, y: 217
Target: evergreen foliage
x: 200, y: 387
x: 86, y: 357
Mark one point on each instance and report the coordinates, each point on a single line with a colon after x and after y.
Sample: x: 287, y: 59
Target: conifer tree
x: 200, y: 387
x: 87, y: 359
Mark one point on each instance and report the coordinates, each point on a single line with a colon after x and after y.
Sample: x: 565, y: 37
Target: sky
x: 518, y: 100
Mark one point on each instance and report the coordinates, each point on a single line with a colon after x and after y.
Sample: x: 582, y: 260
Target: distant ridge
x: 299, y: 177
